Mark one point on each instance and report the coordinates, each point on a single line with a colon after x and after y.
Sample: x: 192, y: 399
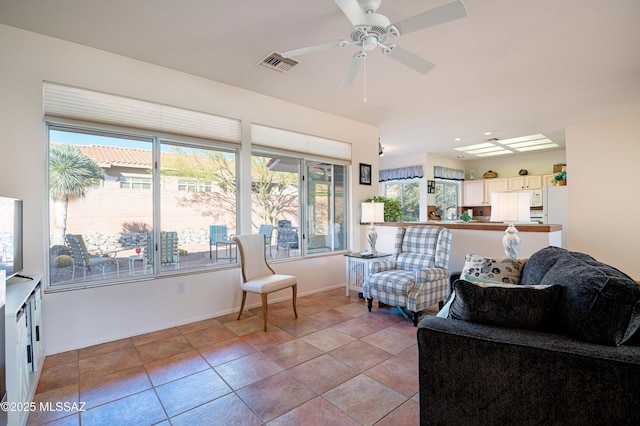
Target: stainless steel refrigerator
x: 555, y: 206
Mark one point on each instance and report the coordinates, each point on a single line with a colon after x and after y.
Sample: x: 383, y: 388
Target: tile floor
x: 337, y: 364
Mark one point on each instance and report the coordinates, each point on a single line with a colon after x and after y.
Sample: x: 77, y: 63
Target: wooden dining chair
x: 257, y: 275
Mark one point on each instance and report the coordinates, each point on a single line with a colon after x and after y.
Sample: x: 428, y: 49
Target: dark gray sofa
x: 581, y: 367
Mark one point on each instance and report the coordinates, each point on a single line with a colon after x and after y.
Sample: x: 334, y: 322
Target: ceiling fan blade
x: 409, y: 58
x: 353, y: 11
x: 352, y: 71
x: 430, y: 18
x: 309, y: 49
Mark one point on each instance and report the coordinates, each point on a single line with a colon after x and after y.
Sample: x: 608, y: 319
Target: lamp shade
x: 510, y: 206
x: 372, y: 212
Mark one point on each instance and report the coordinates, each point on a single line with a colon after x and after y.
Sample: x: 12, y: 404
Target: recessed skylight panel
x: 507, y: 146
x: 501, y: 152
x: 533, y: 148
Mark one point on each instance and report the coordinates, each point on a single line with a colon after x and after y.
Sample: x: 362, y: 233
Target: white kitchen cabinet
x: 473, y: 193
x: 527, y: 182
x: 548, y: 179
x: 477, y: 193
x: 23, y: 344
x: 494, y: 185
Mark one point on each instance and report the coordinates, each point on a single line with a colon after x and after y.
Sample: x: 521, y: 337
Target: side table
x: 229, y: 250
x: 132, y: 263
x: 358, y: 269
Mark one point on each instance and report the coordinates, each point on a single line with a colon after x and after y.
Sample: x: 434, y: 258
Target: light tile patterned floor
x: 337, y: 364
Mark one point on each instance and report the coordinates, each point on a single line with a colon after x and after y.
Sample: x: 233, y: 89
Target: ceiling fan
x: 372, y: 30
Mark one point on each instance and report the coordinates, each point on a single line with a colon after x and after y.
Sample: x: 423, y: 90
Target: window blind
x: 88, y: 105
x: 299, y: 142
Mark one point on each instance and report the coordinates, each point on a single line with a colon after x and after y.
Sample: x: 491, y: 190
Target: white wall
x: 602, y: 182
x: 79, y: 318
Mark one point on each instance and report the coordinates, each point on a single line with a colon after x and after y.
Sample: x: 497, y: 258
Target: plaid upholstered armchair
x: 417, y: 277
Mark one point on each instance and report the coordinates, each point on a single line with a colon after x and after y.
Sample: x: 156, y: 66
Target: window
x: 276, y: 195
x: 188, y: 185
x: 326, y: 203
x: 447, y: 198
x: 408, y: 193
x: 194, y: 185
x: 135, y: 182
x: 137, y: 214
x: 302, y: 196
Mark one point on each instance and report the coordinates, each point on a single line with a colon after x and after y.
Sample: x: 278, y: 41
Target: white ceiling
x: 513, y: 67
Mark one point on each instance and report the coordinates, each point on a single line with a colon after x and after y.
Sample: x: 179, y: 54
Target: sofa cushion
x: 539, y: 264
x: 507, y: 271
x: 503, y: 304
x: 598, y: 303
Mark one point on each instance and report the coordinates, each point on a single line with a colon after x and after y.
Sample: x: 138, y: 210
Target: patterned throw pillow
x: 506, y: 271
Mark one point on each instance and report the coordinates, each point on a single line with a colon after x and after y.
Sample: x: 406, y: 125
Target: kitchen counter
x: 482, y: 238
x: 477, y: 225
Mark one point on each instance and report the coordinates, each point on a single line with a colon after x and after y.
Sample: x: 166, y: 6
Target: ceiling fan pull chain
x: 365, y: 79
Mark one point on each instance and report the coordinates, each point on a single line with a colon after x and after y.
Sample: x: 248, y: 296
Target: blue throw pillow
x: 503, y: 305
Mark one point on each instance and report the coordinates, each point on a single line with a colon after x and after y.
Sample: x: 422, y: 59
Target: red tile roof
x: 110, y: 156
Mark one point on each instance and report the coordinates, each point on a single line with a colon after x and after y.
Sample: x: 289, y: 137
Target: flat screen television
x: 11, y: 236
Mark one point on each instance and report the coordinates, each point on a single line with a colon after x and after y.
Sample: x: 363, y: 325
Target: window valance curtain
x: 410, y: 172
x: 440, y: 172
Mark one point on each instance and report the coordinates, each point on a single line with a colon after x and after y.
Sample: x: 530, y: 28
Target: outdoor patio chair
x: 287, y: 236
x: 169, y: 251
x: 82, y: 258
x: 267, y: 231
x: 217, y: 233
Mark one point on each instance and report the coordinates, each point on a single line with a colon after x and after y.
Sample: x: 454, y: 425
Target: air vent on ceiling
x: 277, y: 63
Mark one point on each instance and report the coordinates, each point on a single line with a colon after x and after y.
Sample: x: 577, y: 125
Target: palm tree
x: 70, y: 174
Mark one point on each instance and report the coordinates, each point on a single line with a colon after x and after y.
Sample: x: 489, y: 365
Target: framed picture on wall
x: 431, y: 187
x: 365, y: 174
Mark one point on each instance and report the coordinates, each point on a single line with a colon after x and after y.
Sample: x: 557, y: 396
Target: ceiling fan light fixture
x: 370, y: 43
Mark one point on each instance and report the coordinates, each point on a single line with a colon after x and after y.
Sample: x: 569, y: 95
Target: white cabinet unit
x: 358, y: 269
x: 547, y: 180
x: 478, y: 192
x: 494, y: 185
x: 520, y: 183
x: 23, y: 343
x: 473, y: 193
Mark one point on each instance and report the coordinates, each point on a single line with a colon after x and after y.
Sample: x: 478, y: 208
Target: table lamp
x: 510, y: 207
x: 372, y: 212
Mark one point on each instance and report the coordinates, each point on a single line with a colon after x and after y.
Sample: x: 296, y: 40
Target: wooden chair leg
x: 244, y: 297
x: 264, y: 310
x: 295, y: 292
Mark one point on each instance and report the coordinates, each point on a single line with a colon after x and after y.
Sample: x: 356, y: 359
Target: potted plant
x: 392, y: 208
x: 465, y: 217
x: 560, y: 179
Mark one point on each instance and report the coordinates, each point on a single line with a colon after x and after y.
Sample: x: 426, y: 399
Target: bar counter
x: 482, y: 238
x: 477, y: 225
